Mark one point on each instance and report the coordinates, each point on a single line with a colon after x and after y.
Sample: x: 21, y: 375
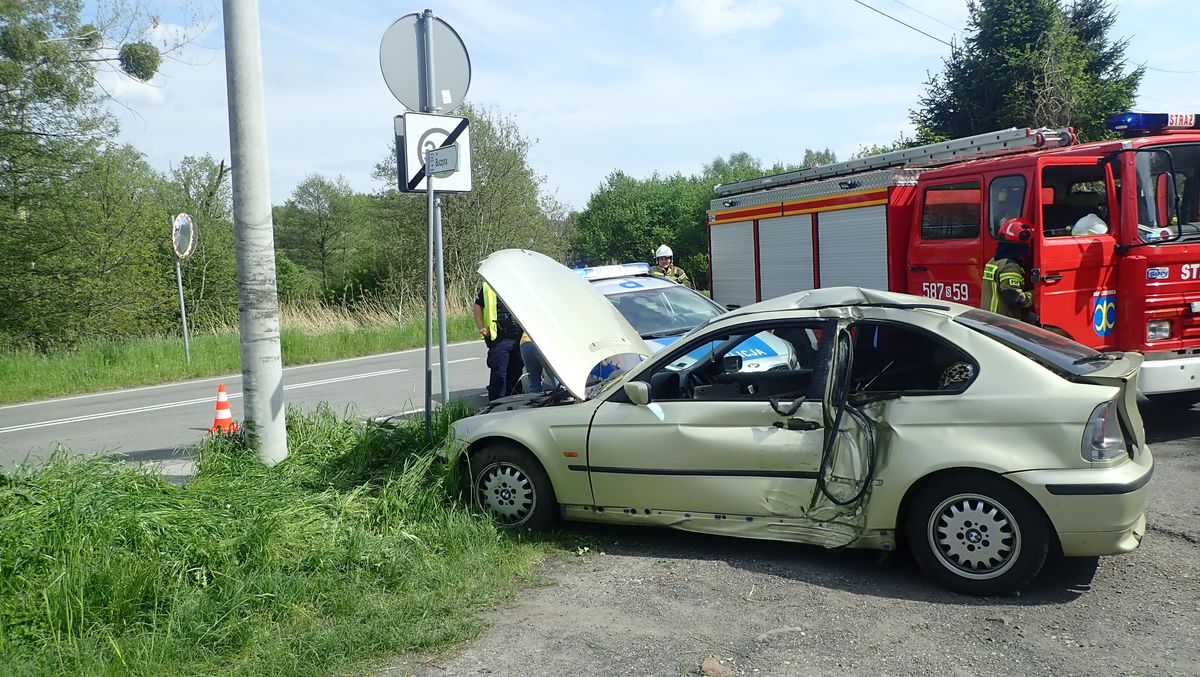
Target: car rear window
x: 1059, y: 353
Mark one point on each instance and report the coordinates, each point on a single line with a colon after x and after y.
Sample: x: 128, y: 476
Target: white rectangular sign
x: 423, y: 132
x: 443, y: 161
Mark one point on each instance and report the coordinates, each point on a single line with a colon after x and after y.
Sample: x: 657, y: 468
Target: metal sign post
x: 442, y: 77
x: 183, y: 241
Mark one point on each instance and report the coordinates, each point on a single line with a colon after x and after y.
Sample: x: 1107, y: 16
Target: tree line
x: 85, y: 221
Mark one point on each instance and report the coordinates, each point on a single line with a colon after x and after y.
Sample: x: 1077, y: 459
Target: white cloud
x: 711, y: 18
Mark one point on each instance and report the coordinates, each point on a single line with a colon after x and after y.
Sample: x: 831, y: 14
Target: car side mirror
x: 731, y: 364
x: 638, y: 392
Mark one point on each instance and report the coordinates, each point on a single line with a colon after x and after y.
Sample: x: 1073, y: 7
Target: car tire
x: 509, y: 484
x: 977, y: 534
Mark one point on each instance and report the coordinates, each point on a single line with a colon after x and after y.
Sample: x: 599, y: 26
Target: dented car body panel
x: 836, y: 460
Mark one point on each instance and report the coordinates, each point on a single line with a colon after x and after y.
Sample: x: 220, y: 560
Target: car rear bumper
x: 1095, y: 511
x: 1169, y: 375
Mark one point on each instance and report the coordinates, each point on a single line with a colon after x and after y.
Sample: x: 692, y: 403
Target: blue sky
x: 640, y: 86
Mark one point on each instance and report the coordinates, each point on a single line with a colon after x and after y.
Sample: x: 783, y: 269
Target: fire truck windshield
x: 1159, y: 222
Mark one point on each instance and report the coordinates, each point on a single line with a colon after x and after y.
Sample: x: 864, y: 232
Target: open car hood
x: 573, y: 325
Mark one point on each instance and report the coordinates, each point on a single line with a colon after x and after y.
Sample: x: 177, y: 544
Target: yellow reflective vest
x: 674, y: 273
x: 490, y: 321
x: 1004, y: 288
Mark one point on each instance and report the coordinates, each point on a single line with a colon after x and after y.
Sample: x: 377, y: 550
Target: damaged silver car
x: 980, y: 443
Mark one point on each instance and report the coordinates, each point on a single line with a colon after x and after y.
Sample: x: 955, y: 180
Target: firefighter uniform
x: 1004, y: 288
x: 502, y: 341
x: 671, y: 272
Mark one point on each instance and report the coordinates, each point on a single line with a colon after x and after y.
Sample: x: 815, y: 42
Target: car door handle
x: 798, y: 424
x: 1051, y: 278
x: 917, y: 269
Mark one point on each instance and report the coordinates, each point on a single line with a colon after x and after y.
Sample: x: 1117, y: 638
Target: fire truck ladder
x: 1004, y: 142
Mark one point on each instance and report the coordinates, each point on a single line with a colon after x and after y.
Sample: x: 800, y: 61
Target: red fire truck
x: 1115, y: 257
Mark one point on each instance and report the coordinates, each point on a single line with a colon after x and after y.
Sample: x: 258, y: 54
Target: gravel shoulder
x: 658, y: 602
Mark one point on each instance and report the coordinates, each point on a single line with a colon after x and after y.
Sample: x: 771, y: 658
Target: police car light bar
x: 1149, y: 122
x: 615, y: 270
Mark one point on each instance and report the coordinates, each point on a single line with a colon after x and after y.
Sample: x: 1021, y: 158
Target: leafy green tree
x: 879, y: 149
x: 1029, y: 63
x: 94, y: 259
x: 68, y: 248
x: 815, y: 158
x: 314, y: 230
x: 626, y: 218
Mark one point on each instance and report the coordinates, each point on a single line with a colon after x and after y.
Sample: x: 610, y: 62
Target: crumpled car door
x: 843, y: 488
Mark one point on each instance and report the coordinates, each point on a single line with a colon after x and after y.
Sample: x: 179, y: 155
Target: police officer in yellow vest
x: 1004, y: 275
x: 665, y: 268
x: 502, y: 335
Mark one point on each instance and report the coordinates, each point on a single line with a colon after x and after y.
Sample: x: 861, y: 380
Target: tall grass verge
x: 354, y: 548
x: 305, y: 338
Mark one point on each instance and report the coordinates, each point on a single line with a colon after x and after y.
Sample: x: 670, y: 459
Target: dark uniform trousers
x: 504, y: 361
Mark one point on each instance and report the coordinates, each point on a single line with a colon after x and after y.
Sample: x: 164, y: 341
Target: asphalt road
x: 641, y: 601
x: 158, y: 423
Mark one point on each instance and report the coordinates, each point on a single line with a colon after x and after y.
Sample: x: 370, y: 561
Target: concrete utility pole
x: 258, y: 301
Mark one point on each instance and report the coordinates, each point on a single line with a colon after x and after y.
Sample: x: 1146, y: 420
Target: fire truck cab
x: 1115, y: 257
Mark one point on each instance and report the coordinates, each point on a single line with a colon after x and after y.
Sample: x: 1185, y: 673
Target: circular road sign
x: 183, y: 235
x: 402, y: 59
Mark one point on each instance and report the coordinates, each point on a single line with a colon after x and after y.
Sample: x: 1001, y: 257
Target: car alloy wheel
x: 507, y: 492
x: 974, y: 536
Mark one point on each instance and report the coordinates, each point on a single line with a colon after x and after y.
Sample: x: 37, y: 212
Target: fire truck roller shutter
x: 733, y: 263
x: 853, y: 247
x: 785, y: 255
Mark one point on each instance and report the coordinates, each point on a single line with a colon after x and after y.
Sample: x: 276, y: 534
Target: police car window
x: 951, y: 212
x: 758, y: 364
x: 665, y: 311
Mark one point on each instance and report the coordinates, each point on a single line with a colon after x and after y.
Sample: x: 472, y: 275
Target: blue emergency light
x: 1150, y: 122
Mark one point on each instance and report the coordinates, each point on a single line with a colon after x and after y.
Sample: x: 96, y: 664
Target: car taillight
x: 1102, y: 438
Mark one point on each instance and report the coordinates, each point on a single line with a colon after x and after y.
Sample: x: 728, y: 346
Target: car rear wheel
x: 509, y: 484
x: 977, y: 534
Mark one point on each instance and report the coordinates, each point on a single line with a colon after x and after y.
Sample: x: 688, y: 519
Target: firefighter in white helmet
x: 666, y: 267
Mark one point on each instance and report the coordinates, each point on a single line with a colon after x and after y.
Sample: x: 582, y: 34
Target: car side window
x: 755, y: 363
x: 891, y: 358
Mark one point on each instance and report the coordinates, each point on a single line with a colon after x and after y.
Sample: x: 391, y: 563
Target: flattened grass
x: 353, y: 549
x: 109, y: 365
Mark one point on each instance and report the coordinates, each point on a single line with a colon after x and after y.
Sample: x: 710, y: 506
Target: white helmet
x: 662, y: 251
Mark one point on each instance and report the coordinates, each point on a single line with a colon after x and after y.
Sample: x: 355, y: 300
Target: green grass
x: 109, y: 365
x: 352, y: 550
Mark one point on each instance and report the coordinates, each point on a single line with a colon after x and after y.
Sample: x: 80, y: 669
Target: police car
x: 663, y: 310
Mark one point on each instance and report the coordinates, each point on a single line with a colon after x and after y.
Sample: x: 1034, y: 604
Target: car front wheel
x: 977, y: 535
x: 509, y: 484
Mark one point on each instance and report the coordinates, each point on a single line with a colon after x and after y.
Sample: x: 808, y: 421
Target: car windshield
x: 1157, y: 198
x: 1059, y: 353
x: 664, y: 311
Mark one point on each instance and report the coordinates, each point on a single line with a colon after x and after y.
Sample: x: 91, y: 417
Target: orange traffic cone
x: 223, y: 423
